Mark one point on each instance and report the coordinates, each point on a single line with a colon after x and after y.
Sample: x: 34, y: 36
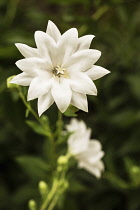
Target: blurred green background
x: 114, y: 115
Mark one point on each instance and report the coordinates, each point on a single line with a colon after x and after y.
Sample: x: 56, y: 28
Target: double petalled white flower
x: 60, y: 69
x: 87, y: 152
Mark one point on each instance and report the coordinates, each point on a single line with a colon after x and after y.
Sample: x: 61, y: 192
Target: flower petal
x: 95, y: 145
x: 61, y: 93
x: 67, y: 45
x: 78, y: 143
x: 53, y: 31
x: 82, y: 60
x: 46, y: 46
x: 84, y: 42
x: 94, y: 160
x: 94, y: 170
x: 33, y: 66
x: 27, y: 51
x: 38, y: 87
x: 44, y: 102
x: 97, y: 72
x: 80, y: 101
x: 22, y: 79
x: 81, y: 83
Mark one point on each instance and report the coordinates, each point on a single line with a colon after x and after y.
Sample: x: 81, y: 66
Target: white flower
x: 87, y: 152
x: 60, y: 69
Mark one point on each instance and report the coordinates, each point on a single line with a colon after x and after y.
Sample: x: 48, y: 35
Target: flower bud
x: 135, y: 170
x: 11, y: 85
x: 62, y: 160
x: 43, y: 188
x: 32, y: 205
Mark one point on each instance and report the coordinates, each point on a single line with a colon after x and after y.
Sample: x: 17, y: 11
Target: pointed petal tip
x: 93, y: 36
x: 62, y: 109
x: 99, y: 52
x: 50, y: 22
x: 73, y: 30
x: 37, y: 33
x: 86, y: 110
x: 94, y: 93
x: 19, y: 62
x: 108, y: 72
x: 40, y: 113
x: 17, y: 44
x: 29, y: 98
x: 16, y: 63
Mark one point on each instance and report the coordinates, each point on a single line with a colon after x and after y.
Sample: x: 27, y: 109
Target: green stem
x: 59, y: 125
x: 57, y: 195
x: 50, y: 196
x: 57, y: 189
x: 54, y: 202
x: 49, y: 134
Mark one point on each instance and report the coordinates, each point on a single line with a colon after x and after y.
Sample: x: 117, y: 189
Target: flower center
x: 60, y: 71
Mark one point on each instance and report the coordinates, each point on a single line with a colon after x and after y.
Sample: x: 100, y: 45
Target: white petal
x: 78, y: 142
x: 44, y: 102
x: 95, y: 145
x: 101, y: 165
x: 33, y: 66
x: 22, y: 79
x: 91, y: 156
x: 76, y: 125
x: 93, y: 153
x: 27, y: 51
x: 67, y: 45
x: 84, y: 42
x: 97, y: 72
x: 61, y: 93
x: 94, y: 160
x: 80, y: 101
x: 38, y: 87
x: 81, y: 83
x: 90, y: 168
x: 53, y: 31
x: 46, y: 46
x: 82, y: 60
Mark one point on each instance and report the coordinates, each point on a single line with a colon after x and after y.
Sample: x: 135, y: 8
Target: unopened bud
x: 32, y: 205
x: 11, y: 85
x: 135, y: 169
x: 43, y: 188
x: 62, y: 160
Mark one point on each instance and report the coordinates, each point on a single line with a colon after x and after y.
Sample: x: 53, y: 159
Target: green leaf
x: 116, y: 181
x: 70, y: 112
x: 39, y: 129
x: 34, y: 167
x: 76, y: 186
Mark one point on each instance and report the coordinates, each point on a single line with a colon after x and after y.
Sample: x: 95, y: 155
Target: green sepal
x: 71, y: 111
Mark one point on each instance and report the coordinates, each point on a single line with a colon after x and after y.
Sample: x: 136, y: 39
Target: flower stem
x: 50, y: 196
x: 59, y: 125
x: 28, y: 106
x: 58, y: 187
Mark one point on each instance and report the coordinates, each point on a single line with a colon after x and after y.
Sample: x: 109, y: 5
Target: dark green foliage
x: 114, y: 115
